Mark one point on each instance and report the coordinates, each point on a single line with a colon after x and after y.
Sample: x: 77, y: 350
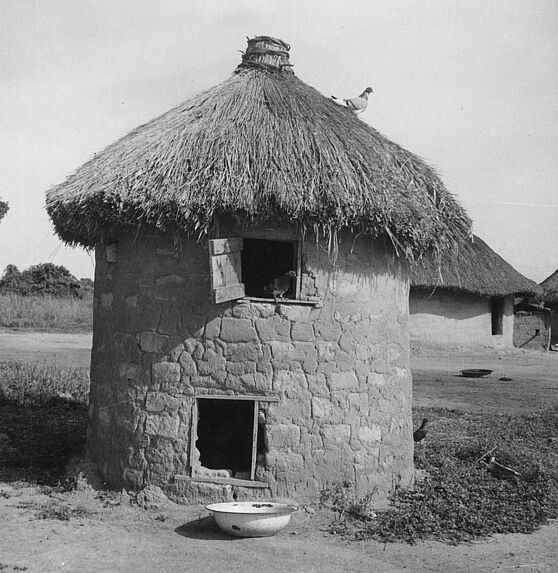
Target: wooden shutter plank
x: 193, y: 435
x: 224, y: 246
x: 229, y: 292
x: 226, y: 269
x: 254, y: 442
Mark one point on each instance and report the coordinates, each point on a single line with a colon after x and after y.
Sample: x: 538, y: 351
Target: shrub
x: 42, y: 279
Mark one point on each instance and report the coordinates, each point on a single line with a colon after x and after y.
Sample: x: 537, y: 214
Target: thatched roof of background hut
x: 3, y: 209
x: 471, y: 267
x: 550, y: 288
x: 261, y: 145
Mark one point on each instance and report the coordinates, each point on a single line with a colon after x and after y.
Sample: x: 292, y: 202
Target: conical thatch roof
x: 471, y: 267
x: 260, y: 145
x: 3, y: 208
x: 550, y: 288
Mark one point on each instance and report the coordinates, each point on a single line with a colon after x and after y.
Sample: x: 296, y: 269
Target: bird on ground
x: 500, y: 471
x: 357, y: 104
x: 420, y: 433
x: 280, y: 285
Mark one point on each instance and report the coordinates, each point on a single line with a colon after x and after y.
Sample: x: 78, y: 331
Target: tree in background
x: 11, y: 280
x: 86, y: 286
x: 42, y: 279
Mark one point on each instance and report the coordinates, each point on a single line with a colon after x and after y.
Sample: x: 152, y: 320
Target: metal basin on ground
x: 475, y: 372
x: 251, y: 519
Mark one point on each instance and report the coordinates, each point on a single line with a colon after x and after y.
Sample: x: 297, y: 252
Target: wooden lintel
x: 237, y: 397
x: 286, y: 301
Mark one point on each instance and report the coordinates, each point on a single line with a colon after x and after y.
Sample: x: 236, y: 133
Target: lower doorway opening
x: 229, y: 436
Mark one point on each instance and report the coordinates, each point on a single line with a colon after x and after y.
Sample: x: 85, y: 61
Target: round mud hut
x: 251, y: 291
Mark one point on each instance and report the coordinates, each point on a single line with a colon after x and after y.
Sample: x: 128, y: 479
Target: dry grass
x: 46, y: 313
x: 43, y: 418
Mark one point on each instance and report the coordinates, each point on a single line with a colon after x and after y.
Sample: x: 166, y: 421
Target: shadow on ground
x: 204, y: 528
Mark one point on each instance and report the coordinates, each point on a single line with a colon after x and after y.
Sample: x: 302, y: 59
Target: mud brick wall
x: 340, y: 372
x: 531, y: 330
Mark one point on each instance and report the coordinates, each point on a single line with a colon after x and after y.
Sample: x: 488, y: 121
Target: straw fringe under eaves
x: 259, y: 146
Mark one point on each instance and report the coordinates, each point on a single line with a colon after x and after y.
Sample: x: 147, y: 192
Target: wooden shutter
x: 225, y: 266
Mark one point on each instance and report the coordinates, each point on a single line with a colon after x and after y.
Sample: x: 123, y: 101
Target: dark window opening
x: 226, y: 436
x: 265, y: 263
x: 497, y: 312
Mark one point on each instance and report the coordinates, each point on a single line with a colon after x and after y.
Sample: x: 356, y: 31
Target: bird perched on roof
x: 500, y: 471
x: 420, y: 433
x: 357, y: 104
x: 280, y: 285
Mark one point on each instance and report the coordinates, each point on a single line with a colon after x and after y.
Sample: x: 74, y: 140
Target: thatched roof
x: 260, y: 145
x: 3, y: 208
x: 550, y: 288
x: 471, y: 267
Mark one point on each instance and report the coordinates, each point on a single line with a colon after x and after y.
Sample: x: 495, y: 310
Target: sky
x: 470, y: 86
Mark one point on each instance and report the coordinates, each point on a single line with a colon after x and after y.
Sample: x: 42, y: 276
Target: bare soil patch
x: 522, y: 381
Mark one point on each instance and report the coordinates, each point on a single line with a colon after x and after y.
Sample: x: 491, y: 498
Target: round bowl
x: 250, y: 518
x: 475, y: 372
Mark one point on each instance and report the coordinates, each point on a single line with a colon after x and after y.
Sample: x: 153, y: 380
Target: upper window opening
x: 256, y: 268
x: 269, y: 268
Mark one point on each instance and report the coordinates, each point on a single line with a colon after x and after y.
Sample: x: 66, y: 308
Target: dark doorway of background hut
x: 226, y: 435
x: 263, y: 261
x: 497, y: 312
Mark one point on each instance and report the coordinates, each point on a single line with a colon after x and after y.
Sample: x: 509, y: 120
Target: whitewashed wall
x: 452, y: 318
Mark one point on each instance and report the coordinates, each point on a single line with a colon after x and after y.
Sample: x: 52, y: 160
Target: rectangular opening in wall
x: 228, y: 436
x: 266, y: 266
x: 497, y: 313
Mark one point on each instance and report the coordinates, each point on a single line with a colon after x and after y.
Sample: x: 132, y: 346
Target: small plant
x: 55, y: 509
x: 340, y: 499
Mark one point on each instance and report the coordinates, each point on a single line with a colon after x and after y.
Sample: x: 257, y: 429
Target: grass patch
x: 459, y: 500
x: 43, y: 419
x: 46, y: 313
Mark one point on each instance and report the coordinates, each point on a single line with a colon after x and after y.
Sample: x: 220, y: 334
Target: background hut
x: 531, y: 325
x: 201, y: 382
x: 466, y: 297
x: 3, y: 209
x: 550, y: 297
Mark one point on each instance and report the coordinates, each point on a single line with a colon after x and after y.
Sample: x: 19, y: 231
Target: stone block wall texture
x: 340, y: 372
x: 445, y: 317
x: 532, y: 330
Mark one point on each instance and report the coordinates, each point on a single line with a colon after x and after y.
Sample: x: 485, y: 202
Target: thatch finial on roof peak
x: 268, y: 53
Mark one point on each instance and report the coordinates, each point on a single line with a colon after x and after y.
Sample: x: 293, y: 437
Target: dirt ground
x: 61, y: 349
x: 108, y: 535
x: 521, y: 381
